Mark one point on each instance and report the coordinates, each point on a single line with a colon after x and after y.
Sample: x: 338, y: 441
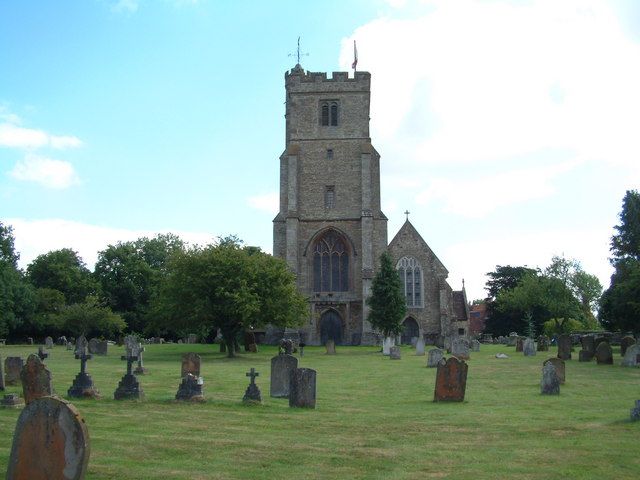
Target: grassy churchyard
x: 374, y: 419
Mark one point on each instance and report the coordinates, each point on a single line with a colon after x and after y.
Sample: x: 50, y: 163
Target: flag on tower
x: 355, y: 56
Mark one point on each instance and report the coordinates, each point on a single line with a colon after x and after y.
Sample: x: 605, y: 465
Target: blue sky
x: 509, y: 129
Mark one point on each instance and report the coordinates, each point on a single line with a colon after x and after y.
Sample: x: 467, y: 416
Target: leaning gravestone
x: 36, y: 379
x: 51, y: 441
x: 451, y: 380
x: 529, y: 348
x: 330, y: 346
x: 558, y: 365
x: 460, y: 349
x: 12, y: 368
x: 2, y: 387
x: 550, y: 383
x: 190, y: 364
x: 434, y: 356
x: 281, y: 368
x: 543, y: 343
x: 48, y: 342
x: 420, y: 346
x: 588, y: 348
x: 604, y: 354
x: 625, y: 343
x: 632, y: 356
x: 302, y: 393
x: 564, y: 347
x: 394, y: 353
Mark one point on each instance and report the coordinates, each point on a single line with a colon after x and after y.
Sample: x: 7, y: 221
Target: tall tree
x: 387, y: 302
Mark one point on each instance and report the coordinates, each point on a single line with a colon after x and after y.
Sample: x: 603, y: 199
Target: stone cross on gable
x: 253, y: 374
x: 83, y: 356
x: 407, y: 212
x: 130, y: 358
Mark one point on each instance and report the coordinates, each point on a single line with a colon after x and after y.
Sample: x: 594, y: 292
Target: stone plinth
x: 128, y: 389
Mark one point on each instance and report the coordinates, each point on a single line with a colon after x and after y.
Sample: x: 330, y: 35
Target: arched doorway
x: 410, y: 329
x: 331, y: 327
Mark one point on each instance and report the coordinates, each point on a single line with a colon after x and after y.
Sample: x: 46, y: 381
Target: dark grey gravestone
x: 48, y: 342
x: 631, y: 356
x: 433, y: 357
x: 281, y: 368
x: 128, y: 387
x: 529, y: 348
x: 190, y: 389
x: 82, y: 386
x: 635, y: 412
x: 559, y: 366
x: 588, y: 344
x: 36, y: 379
x: 550, y: 383
x: 51, y: 441
x: 394, y: 352
x: 625, y: 343
x: 93, y: 346
x: 2, y: 387
x: 252, y: 394
x: 564, y: 347
x: 604, y: 354
x: 302, y: 392
x: 12, y: 368
x: 101, y: 347
x: 543, y: 343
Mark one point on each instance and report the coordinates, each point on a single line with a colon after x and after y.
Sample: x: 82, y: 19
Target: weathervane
x: 298, y: 54
x: 407, y: 212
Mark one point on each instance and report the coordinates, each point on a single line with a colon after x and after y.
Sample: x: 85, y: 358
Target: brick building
x: 330, y: 228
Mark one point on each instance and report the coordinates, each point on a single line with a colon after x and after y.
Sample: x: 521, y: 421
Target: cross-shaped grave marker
x: 252, y: 395
x: 130, y: 358
x: 253, y: 374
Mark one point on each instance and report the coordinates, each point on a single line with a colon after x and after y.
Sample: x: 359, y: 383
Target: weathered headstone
x: 30, y: 341
x: 281, y: 368
x: 2, y: 387
x: 519, y: 344
x: 451, y: 380
x: 460, y: 349
x: 588, y: 348
x: 550, y: 383
x: 558, y: 365
x: 387, y: 343
x: 394, y: 353
x: 475, y: 345
x: 286, y: 346
x: 129, y: 387
x: 100, y: 347
x: 93, y: 346
x: 11, y: 400
x: 543, y: 343
x: 564, y: 347
x: 529, y: 348
x: 192, y: 338
x: 433, y: 357
x: 249, y: 339
x: 625, y: 343
x: 190, y: 364
x: 302, y: 393
x: 252, y: 394
x: 61, y: 341
x: 190, y: 388
x: 420, y: 346
x: 12, y: 368
x: 635, y: 412
x: 48, y: 342
x: 330, y: 346
x: 604, y: 354
x: 69, y: 346
x: 36, y: 379
x: 41, y: 353
x: 82, y: 386
x: 632, y: 356
x: 51, y: 441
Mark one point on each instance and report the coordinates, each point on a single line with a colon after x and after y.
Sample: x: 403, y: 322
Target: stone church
x: 330, y: 228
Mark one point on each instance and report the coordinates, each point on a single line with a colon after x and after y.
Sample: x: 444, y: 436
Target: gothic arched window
x: 411, y: 277
x: 324, y: 120
x: 329, y: 113
x: 331, y: 263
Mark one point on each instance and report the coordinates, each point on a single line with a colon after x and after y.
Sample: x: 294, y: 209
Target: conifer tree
x: 387, y: 302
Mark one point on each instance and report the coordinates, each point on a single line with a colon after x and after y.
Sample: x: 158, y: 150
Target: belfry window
x: 410, y: 274
x: 330, y: 263
x: 329, y: 196
x: 325, y: 114
x: 334, y: 114
x: 329, y: 114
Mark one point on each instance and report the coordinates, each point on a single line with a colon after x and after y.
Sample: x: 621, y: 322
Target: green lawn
x: 374, y: 419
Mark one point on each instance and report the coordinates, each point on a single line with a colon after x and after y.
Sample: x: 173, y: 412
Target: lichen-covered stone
x: 281, y: 368
x: 559, y: 366
x: 433, y: 357
x: 302, y: 392
x: 550, y: 383
x: 36, y: 379
x: 451, y: 380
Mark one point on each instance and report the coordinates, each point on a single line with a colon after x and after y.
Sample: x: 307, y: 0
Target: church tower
x: 330, y: 228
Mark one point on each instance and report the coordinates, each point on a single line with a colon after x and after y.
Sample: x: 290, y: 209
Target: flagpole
x: 355, y: 58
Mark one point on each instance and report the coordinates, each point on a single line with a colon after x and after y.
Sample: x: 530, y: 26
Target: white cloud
x: 50, y: 173
x: 13, y: 136
x: 35, y: 237
x: 125, y: 6
x: 268, y: 202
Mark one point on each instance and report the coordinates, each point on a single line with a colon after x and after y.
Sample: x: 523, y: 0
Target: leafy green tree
x: 387, y: 302
x: 48, y: 304
x: 620, y: 303
x: 62, y: 270
x: 91, y: 319
x: 230, y: 288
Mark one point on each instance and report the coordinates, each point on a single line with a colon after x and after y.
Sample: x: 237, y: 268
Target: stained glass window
x: 330, y: 264
x: 410, y: 274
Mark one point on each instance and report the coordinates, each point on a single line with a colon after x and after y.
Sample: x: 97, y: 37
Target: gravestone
x: 2, y: 387
x: 286, y: 346
x: 69, y: 346
x: 475, y: 346
x: 604, y: 354
x: 635, y: 412
x: 51, y: 441
x: 460, y: 349
x: 564, y: 347
x: 138, y: 350
x: 41, y: 353
x: 61, y: 341
x: 36, y: 379
x: 48, y: 342
x: 451, y: 380
x: 30, y: 341
x: 550, y: 383
x: 249, y: 339
x: 519, y: 344
x: 543, y: 343
x: 192, y: 338
x: 433, y: 357
x: 100, y: 347
x: 625, y: 343
x: 330, y: 346
x: 632, y: 356
x: 394, y: 353
x: 190, y: 388
x: 128, y: 387
x: 281, y: 368
x: 252, y: 394
x: 253, y: 348
x: 588, y: 348
x: 512, y: 339
x: 82, y: 386
x: 302, y: 393
x: 12, y: 368
x: 93, y: 346
x: 387, y: 343
x: 559, y: 366
x: 420, y: 346
x: 529, y: 348
x: 190, y: 364
x: 11, y: 400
